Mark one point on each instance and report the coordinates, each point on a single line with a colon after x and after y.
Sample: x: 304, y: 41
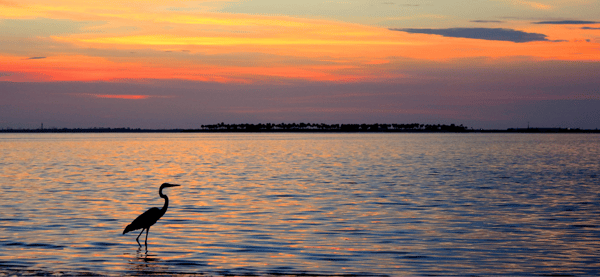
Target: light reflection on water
x: 397, y: 204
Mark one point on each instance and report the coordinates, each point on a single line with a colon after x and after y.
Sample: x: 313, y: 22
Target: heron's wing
x: 145, y: 220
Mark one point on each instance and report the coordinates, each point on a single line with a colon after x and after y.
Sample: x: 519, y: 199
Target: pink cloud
x: 121, y: 96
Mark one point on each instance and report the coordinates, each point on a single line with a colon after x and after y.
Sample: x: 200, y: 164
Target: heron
x: 151, y: 216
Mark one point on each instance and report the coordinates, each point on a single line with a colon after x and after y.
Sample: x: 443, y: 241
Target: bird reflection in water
x: 146, y: 264
x: 145, y: 257
x: 148, y: 218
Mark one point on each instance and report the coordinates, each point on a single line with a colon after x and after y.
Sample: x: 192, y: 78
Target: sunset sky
x: 181, y: 64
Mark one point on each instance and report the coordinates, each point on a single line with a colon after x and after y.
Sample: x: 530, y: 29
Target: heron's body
x: 151, y: 216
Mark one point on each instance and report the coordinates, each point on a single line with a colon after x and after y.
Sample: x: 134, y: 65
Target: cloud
x: 480, y: 33
x: 43, y: 27
x: 116, y: 96
x: 590, y: 28
x: 8, y: 3
x: 36, y: 58
x: 567, y: 22
x: 487, y: 21
x: 459, y: 91
x: 121, y: 96
x: 534, y: 5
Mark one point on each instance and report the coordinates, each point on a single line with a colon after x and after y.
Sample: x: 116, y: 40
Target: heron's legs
x: 138, y: 237
x: 146, y: 243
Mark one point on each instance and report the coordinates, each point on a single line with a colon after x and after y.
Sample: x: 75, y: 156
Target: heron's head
x: 167, y: 185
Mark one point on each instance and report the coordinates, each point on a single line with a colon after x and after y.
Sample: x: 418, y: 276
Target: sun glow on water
x: 406, y: 204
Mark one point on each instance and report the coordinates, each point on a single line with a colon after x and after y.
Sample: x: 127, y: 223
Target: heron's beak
x: 171, y: 185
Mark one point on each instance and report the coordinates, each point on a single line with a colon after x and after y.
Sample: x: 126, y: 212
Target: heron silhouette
x: 151, y: 216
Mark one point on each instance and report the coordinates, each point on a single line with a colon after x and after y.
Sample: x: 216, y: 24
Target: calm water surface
x: 322, y: 204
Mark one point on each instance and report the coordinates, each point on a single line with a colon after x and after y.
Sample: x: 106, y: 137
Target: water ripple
x: 301, y: 204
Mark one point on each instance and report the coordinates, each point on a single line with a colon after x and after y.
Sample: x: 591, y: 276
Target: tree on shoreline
x: 376, y: 127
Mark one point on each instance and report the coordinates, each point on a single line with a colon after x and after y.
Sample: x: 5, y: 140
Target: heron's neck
x: 166, y: 205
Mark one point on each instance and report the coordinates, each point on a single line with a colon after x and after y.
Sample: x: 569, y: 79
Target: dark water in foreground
x: 314, y: 204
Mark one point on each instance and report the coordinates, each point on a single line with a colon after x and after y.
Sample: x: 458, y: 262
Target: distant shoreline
x: 344, y: 128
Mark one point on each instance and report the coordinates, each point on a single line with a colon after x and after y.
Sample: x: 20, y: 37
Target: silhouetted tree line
x: 87, y: 130
x: 304, y: 127
x: 376, y: 127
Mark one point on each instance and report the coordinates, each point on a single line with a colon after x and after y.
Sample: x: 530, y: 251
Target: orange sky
x: 263, y: 43
x: 143, y: 40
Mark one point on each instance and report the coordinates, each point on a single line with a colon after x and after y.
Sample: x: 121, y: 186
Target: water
x: 293, y: 204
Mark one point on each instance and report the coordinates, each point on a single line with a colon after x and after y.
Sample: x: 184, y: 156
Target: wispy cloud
x: 530, y: 4
x: 567, y: 22
x: 121, y: 96
x: 44, y: 27
x: 589, y: 28
x: 499, y: 34
x: 8, y: 3
x: 102, y: 41
x: 487, y: 21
